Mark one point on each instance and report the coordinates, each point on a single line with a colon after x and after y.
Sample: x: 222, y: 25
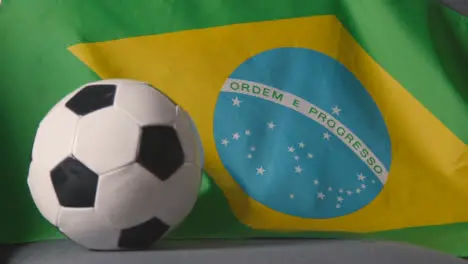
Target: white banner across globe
x: 313, y: 112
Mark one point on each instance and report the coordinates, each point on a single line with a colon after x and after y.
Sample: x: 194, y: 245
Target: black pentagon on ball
x: 92, y: 98
x: 160, y: 151
x: 74, y: 184
x: 142, y: 236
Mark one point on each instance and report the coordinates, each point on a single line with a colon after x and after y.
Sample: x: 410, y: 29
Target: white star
x: 340, y: 190
x: 330, y: 189
x: 298, y: 169
x: 291, y: 149
x: 309, y: 155
x: 291, y: 196
x: 326, y: 136
x: 336, y: 110
x: 361, y: 177
x: 225, y: 142
x: 247, y: 132
x: 358, y: 191
x: 316, y: 182
x: 249, y: 156
x: 338, y: 206
x: 296, y: 157
x: 301, y: 144
x: 339, y: 199
x: 271, y: 125
x: 236, y: 136
x: 349, y: 193
x: 321, y: 195
x: 236, y: 102
x: 363, y: 186
x: 252, y: 148
x: 260, y: 170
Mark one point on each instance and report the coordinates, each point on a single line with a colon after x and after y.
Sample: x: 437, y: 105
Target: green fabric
x: 36, y: 70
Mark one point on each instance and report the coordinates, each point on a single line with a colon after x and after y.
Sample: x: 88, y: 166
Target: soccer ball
x: 116, y: 165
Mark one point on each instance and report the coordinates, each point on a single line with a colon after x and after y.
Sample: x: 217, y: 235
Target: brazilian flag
x: 319, y: 119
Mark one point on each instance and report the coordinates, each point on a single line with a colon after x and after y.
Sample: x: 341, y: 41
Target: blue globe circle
x: 301, y: 135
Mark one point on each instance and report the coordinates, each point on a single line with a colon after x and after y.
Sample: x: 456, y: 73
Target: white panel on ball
x: 178, y: 194
x: 117, y: 82
x: 54, y: 137
x: 145, y: 104
x: 87, y: 228
x: 127, y: 197
x: 42, y: 192
x: 188, y: 136
x: 106, y: 140
x: 200, y: 161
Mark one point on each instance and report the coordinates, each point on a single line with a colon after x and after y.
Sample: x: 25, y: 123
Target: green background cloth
x: 420, y: 43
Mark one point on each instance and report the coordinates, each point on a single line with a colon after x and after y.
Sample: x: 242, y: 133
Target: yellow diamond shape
x: 428, y: 176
